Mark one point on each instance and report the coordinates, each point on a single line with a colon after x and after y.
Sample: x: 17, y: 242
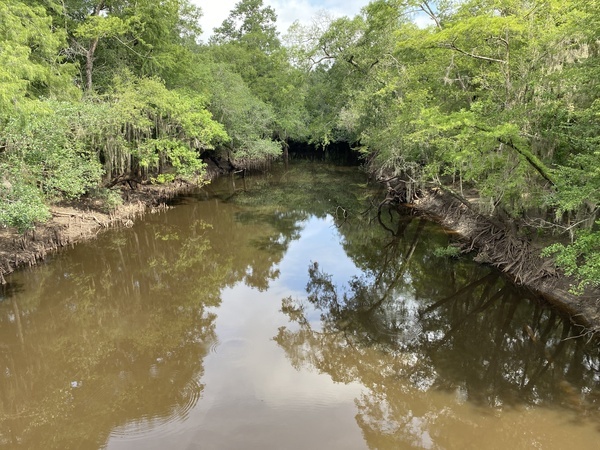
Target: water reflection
x: 107, y: 335
x: 162, y: 334
x: 414, y: 326
x: 111, y: 336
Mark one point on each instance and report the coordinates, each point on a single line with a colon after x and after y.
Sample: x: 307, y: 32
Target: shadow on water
x: 340, y: 153
x: 9, y: 290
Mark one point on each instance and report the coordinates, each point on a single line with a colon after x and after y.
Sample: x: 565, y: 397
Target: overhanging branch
x: 453, y: 46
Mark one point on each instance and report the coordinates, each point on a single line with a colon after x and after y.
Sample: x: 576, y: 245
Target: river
x: 279, y: 312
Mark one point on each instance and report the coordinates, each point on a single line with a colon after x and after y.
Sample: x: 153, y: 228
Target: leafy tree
x: 161, y: 127
x: 496, y: 96
x: 30, y: 61
x: 250, y: 24
x: 247, y: 120
x: 248, y: 44
x: 148, y: 38
x: 581, y: 258
x: 92, y: 30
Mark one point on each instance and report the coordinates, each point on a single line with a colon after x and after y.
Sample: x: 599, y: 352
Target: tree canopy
x: 493, y: 97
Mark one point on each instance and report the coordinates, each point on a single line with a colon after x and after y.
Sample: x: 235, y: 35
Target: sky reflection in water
x: 210, y: 326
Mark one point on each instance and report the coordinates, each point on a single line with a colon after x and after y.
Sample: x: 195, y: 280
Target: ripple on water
x: 213, y: 346
x: 161, y: 425
x: 233, y: 347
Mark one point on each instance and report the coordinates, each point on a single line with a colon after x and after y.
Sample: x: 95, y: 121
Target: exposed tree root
x: 496, y: 245
x: 73, y: 224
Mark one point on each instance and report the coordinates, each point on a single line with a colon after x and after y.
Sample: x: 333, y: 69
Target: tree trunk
x: 89, y: 64
x: 89, y: 56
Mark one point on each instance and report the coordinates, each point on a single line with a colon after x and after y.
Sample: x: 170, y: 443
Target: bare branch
x: 316, y: 62
x: 427, y: 10
x: 453, y: 46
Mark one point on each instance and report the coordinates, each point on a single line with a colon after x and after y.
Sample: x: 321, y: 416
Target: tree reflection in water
x: 111, y: 336
x: 105, y: 341
x: 408, y: 328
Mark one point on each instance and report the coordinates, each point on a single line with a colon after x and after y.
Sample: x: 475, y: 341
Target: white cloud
x: 305, y: 10
x: 288, y: 11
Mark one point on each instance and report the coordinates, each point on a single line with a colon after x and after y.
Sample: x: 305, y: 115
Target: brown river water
x: 278, y: 312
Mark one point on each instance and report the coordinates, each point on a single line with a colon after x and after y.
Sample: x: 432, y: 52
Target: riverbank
x: 79, y: 221
x: 517, y: 257
x: 85, y: 218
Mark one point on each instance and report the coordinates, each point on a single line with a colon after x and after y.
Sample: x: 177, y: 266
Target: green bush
x: 450, y: 251
x: 21, y: 204
x: 52, y: 142
x: 580, y: 259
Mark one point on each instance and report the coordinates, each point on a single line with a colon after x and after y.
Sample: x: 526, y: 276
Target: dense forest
x: 497, y: 99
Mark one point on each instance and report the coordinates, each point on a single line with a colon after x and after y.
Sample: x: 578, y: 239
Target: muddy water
x: 277, y: 312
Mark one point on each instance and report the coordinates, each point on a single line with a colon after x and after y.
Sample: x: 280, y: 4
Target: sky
x: 215, y: 11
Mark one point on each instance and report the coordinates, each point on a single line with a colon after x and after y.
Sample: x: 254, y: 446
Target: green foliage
x: 163, y: 178
x: 247, y: 44
x: 164, y: 126
x: 51, y: 143
x: 146, y: 37
x: 497, y: 96
x: 50, y: 158
x: 251, y: 24
x: 65, y: 148
x: 580, y: 259
x: 451, y: 251
x: 110, y: 199
x: 30, y: 65
x: 96, y: 27
x: 148, y: 87
x: 21, y: 202
x: 500, y: 97
x: 578, y: 185
x: 248, y: 120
